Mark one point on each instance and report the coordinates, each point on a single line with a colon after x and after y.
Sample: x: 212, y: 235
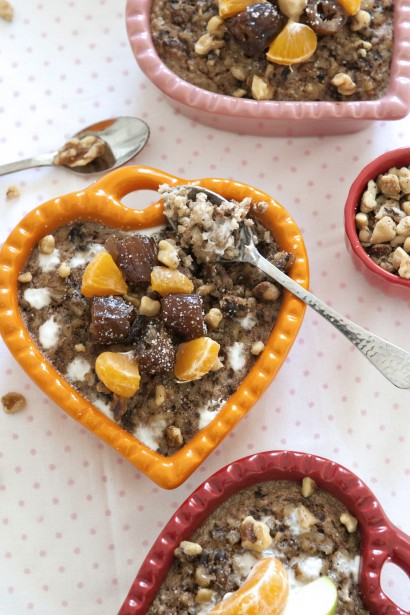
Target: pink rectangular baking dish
x: 270, y: 118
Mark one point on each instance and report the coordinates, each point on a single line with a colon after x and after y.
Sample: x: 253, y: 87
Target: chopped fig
x: 183, y: 314
x: 325, y: 16
x: 157, y: 355
x: 256, y: 27
x: 111, y: 320
x: 135, y: 256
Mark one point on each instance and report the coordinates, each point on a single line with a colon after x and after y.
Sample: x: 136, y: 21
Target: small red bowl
x: 381, y: 541
x: 389, y: 283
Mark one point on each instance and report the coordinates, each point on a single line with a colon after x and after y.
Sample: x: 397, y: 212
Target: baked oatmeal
x: 296, y: 50
x: 151, y: 328
x: 306, y: 529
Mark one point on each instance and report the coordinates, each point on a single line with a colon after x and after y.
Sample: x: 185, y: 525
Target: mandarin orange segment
x: 118, y: 372
x: 195, y: 358
x: 102, y: 277
x: 167, y: 281
x: 229, y: 8
x: 296, y: 43
x: 264, y: 592
x: 350, y: 6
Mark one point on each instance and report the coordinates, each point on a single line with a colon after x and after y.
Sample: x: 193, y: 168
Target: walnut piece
x: 13, y: 402
x: 6, y: 10
x: 160, y: 394
x: 25, y: 277
x: 168, y: 254
x: 255, y: 534
x: 207, y: 43
x: 12, y: 192
x: 266, y: 291
x: 261, y: 89
x: 213, y: 318
x: 202, y: 577
x: 204, y: 595
x: 46, y: 245
x: 64, y: 270
x: 79, y: 152
x: 174, y: 436
x: 257, y: 348
x: 344, y: 84
x: 308, y: 486
x: 306, y: 518
x: 349, y: 522
x: 190, y: 549
x: 149, y: 307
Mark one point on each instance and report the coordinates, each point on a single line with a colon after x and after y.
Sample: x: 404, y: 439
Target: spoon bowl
x: 124, y: 138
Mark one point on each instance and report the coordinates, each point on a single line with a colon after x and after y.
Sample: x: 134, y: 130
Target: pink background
x: 76, y: 520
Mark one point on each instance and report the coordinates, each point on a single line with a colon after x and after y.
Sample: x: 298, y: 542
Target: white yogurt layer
x: 103, y: 406
x: 81, y: 257
x: 151, y: 434
x: 293, y: 522
x: 347, y: 565
x: 78, y: 368
x: 149, y: 232
x: 236, y: 356
x: 48, y: 262
x: 248, y: 322
x: 243, y: 563
x: 48, y: 333
x: 208, y: 412
x: 310, y: 567
x: 37, y: 297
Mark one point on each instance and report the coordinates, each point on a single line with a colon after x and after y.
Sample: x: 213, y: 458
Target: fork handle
x: 390, y: 360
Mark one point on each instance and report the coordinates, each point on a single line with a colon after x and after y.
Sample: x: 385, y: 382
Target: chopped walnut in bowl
x: 377, y: 222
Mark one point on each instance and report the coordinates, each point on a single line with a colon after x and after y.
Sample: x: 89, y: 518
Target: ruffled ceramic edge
x: 168, y: 472
x: 394, y: 105
x: 378, y: 534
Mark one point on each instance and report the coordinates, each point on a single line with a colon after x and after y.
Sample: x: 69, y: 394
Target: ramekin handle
x: 122, y: 181
x: 398, y: 553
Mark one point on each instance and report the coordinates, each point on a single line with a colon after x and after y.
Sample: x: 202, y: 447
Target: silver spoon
x: 124, y: 137
x: 390, y: 360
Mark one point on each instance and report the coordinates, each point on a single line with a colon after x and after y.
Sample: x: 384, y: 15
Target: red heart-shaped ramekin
x: 381, y: 541
x: 101, y: 202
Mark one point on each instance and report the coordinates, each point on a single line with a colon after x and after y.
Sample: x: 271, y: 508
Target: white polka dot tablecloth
x: 76, y: 519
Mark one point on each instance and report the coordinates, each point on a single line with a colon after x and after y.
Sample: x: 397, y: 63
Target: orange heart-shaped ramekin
x: 101, y: 202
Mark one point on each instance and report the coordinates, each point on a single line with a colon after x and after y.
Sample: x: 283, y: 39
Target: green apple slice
x: 316, y: 598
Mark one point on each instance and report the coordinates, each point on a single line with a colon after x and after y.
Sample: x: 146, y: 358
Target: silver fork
x: 392, y: 361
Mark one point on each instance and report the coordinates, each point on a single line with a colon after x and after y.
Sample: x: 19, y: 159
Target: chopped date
x: 111, y: 320
x: 135, y: 256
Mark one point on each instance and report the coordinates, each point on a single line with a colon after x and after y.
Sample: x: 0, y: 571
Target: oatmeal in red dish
x: 287, y: 534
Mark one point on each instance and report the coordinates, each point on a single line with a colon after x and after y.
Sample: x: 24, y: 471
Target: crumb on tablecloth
x: 6, y: 10
x: 13, y: 402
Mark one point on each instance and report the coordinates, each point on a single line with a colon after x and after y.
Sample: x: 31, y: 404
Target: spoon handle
x: 29, y: 163
x: 390, y: 360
